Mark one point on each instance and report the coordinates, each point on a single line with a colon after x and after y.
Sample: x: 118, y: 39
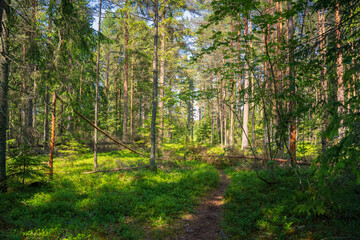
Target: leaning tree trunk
x: 155, y: 87
x: 4, y: 81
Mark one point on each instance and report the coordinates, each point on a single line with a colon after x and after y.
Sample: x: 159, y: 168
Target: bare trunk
x: 231, y: 140
x: 46, y: 120
x: 239, y: 77
x: 132, y: 98
x: 212, y: 111
x: 324, y: 98
x: 252, y: 82
x: 221, y: 115
x: 293, y: 133
x: 162, y: 77
x: 244, y: 142
x: 4, y: 81
x: 52, y: 142
x: 339, y: 68
x: 107, y: 73
x: 34, y: 103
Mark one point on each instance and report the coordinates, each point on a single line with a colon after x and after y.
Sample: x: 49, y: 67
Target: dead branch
x: 100, y: 130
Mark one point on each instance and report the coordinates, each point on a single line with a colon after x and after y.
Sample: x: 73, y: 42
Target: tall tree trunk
x: 324, y: 98
x: 32, y: 40
x: 46, y: 120
x: 252, y: 83
x: 290, y: 33
x: 4, y: 81
x: 204, y: 100
x: 253, y: 120
x: 223, y: 109
x: 97, y: 87
x: 339, y: 68
x: 132, y: 98
x: 239, y: 76
x: 107, y: 74
x: 34, y: 103
x: 126, y: 63
x: 221, y: 114
x: 266, y: 85
x: 212, y: 111
x: 49, y: 68
x: 280, y: 129
x: 162, y: 76
x: 24, y: 138
x: 244, y: 142
x: 231, y: 140
x: 155, y: 87
x: 218, y: 116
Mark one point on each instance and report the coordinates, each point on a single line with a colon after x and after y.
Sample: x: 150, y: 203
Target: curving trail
x: 204, y: 224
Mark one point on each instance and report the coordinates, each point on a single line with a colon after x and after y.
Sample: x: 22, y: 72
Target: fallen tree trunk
x: 116, y: 169
x: 258, y: 158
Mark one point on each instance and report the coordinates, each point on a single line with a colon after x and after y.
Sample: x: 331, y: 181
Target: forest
x: 180, y: 119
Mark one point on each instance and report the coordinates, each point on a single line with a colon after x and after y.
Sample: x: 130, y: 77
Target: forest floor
x: 205, y: 223
x: 181, y: 200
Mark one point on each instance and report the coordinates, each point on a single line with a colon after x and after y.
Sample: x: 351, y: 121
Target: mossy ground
x: 112, y: 205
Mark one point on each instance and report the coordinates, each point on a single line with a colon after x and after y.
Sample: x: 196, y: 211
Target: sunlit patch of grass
x: 216, y: 150
x: 111, y: 205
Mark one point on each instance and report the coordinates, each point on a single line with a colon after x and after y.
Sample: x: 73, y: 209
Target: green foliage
x: 72, y: 149
x: 116, y: 205
x: 282, y: 210
x: 24, y: 167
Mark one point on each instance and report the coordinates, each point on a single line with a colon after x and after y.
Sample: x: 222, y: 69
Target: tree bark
x: 4, y: 81
x: 46, y: 120
x: 52, y: 142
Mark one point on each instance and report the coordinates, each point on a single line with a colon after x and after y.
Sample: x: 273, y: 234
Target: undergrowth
x: 283, y: 210
x: 113, y: 205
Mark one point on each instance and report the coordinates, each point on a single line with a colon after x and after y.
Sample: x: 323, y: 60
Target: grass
x: 113, y: 205
x: 257, y: 210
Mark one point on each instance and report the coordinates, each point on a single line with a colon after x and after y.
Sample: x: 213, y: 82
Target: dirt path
x: 204, y: 224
